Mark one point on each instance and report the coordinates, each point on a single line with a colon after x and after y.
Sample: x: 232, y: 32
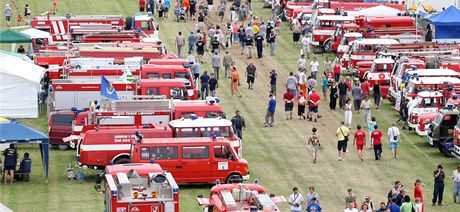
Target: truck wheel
x: 234, y: 178
x: 446, y: 152
x: 122, y: 161
x: 63, y: 147
x: 328, y: 46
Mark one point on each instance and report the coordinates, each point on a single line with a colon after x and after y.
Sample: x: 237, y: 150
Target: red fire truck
x: 324, y: 27
x: 399, y: 70
x: 345, y: 6
x: 101, y: 147
x: 129, y: 113
x: 193, y: 159
x: 180, y: 72
x: 140, y: 187
x: 166, y: 61
x: 426, y: 102
x: 61, y: 27
x: 364, y: 50
x: 68, y: 93
x: 147, y: 51
x: 240, y: 197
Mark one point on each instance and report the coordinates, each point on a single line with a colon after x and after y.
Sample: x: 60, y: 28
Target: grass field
x: 277, y: 156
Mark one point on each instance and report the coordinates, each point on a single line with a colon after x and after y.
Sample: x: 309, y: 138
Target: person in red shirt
x: 141, y: 5
x: 360, y: 140
x: 376, y: 140
x: 337, y: 69
x: 365, y: 87
x: 301, y: 103
x: 288, y: 103
x: 313, y: 105
x: 348, y: 81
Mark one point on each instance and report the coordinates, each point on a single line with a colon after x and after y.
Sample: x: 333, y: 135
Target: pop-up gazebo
x: 15, y: 133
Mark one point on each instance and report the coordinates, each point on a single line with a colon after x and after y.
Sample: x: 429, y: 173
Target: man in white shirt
x: 456, y: 186
x: 306, y: 45
x: 350, y: 208
x: 296, y: 200
x: 393, y: 134
x: 314, y: 66
x: 301, y: 62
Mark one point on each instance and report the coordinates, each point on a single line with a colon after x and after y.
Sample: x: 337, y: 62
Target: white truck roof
x: 335, y: 18
x: 200, y: 122
x: 376, y: 41
x: 384, y: 61
x: 435, y: 80
x: 429, y: 94
x: 433, y: 72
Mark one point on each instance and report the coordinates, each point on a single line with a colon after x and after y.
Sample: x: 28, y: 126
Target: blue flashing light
x: 152, y: 161
x: 217, y: 182
x: 256, y: 181
x: 111, y: 162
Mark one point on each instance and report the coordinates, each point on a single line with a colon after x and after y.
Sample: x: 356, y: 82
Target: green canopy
x: 11, y: 36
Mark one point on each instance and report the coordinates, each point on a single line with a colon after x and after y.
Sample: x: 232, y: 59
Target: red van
x: 60, y: 127
x: 201, y: 108
x: 193, y: 160
x: 101, y: 147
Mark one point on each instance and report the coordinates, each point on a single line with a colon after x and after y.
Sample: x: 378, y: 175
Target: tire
x: 443, y: 150
x: 63, y: 147
x: 122, y: 161
x: 234, y: 178
x: 328, y: 46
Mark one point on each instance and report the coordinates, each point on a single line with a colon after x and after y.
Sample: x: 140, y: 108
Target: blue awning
x: 16, y: 133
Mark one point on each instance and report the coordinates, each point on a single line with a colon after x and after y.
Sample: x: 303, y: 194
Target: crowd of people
x: 398, y: 197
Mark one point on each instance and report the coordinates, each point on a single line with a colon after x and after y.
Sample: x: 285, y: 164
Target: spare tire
x: 128, y: 23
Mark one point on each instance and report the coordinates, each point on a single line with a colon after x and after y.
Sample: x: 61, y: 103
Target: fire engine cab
x: 140, y: 187
x: 426, y: 102
x: 239, y: 196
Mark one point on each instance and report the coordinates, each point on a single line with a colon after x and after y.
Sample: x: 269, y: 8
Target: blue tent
x: 447, y: 24
x: 16, y: 133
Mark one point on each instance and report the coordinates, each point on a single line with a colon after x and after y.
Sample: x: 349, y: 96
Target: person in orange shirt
x: 186, y: 5
x: 235, y: 81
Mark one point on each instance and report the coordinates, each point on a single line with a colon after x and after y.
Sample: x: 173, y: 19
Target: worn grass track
x: 277, y: 156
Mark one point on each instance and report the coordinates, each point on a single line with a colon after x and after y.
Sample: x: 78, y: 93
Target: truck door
x: 168, y: 158
x: 195, y: 164
x: 222, y: 162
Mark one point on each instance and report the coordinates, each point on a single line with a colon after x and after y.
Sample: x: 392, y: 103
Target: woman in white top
x: 348, y: 113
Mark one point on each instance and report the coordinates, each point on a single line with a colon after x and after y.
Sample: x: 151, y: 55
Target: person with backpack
x: 314, y: 144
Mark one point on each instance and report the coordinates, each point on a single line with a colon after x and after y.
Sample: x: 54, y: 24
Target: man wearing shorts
x: 11, y: 159
x: 342, y: 136
x: 288, y: 103
x: 360, y: 141
x: 251, y: 75
x: 393, y: 134
x: 313, y: 106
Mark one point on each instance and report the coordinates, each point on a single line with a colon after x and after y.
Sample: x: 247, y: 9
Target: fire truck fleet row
x: 157, y: 133
x: 388, y: 50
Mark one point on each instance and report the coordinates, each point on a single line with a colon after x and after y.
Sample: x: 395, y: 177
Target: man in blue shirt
x: 11, y: 158
x: 25, y: 167
x: 313, y: 206
x: 191, y: 42
x: 270, y: 116
x: 393, y: 206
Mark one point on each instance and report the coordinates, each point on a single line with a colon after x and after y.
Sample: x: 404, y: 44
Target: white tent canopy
x: 378, y: 11
x: 35, y: 33
x: 19, y: 88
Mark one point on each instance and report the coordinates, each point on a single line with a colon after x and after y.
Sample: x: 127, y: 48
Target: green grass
x: 277, y: 156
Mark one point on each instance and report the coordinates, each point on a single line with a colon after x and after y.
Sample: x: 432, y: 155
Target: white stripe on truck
x: 105, y: 147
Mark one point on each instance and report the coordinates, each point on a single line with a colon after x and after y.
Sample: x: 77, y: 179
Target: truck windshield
x: 438, y: 118
x: 62, y: 119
